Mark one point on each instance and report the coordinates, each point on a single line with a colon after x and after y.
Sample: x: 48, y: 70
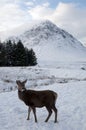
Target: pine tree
x: 32, y: 58
x: 8, y: 50
x: 21, y: 54
x: 2, y: 55
x: 26, y: 59
x: 14, y: 55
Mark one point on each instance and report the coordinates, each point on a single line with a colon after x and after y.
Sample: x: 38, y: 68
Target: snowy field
x: 67, y: 79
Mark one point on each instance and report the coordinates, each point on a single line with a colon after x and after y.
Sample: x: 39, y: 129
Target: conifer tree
x: 32, y: 58
x: 15, y: 54
x: 2, y: 55
x: 21, y: 54
x: 8, y: 50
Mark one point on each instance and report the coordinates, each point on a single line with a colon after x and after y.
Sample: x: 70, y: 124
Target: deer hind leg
x: 29, y: 110
x: 50, y: 112
x: 55, y: 111
x: 34, y: 112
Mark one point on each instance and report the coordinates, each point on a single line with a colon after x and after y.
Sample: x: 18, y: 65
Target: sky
x: 69, y: 15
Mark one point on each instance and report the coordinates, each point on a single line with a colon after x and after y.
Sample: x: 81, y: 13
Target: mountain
x: 52, y: 44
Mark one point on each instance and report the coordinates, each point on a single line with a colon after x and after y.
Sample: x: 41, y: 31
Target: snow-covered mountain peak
x: 44, y: 31
x: 51, y: 43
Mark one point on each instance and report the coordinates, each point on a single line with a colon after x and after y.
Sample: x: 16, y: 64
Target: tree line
x: 15, y: 54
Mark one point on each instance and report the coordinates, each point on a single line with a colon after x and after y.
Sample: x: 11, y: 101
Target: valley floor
x: 70, y: 84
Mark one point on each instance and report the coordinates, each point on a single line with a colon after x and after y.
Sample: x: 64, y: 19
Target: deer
x: 37, y: 99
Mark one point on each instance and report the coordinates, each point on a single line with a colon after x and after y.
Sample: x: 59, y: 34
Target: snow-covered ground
x: 67, y: 79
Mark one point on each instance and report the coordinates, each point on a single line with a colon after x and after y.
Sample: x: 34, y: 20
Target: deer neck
x: 21, y: 94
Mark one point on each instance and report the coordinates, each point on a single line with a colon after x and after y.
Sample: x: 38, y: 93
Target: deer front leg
x: 29, y: 110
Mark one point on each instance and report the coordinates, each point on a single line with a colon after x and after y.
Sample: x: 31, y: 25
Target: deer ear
x: 17, y: 81
x: 24, y: 81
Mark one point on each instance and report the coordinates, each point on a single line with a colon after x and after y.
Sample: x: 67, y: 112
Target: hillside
x: 52, y: 43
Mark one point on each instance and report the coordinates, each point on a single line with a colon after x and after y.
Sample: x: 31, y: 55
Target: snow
x: 67, y: 79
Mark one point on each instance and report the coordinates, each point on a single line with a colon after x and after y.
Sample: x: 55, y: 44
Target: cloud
x: 46, y: 4
x: 68, y: 16
x: 11, y: 15
x: 29, y: 3
x: 41, y: 12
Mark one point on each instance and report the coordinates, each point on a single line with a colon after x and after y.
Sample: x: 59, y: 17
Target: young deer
x: 39, y: 99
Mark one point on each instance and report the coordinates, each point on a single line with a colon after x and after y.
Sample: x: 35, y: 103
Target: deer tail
x: 55, y: 96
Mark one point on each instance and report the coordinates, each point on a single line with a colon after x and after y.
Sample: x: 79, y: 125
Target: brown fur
x: 39, y: 99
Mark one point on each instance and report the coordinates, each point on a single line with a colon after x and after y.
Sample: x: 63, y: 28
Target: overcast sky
x: 67, y: 14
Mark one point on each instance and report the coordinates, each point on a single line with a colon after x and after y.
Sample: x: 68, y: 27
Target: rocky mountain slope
x: 51, y: 43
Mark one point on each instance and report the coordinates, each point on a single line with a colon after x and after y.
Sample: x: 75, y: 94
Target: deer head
x: 21, y: 85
